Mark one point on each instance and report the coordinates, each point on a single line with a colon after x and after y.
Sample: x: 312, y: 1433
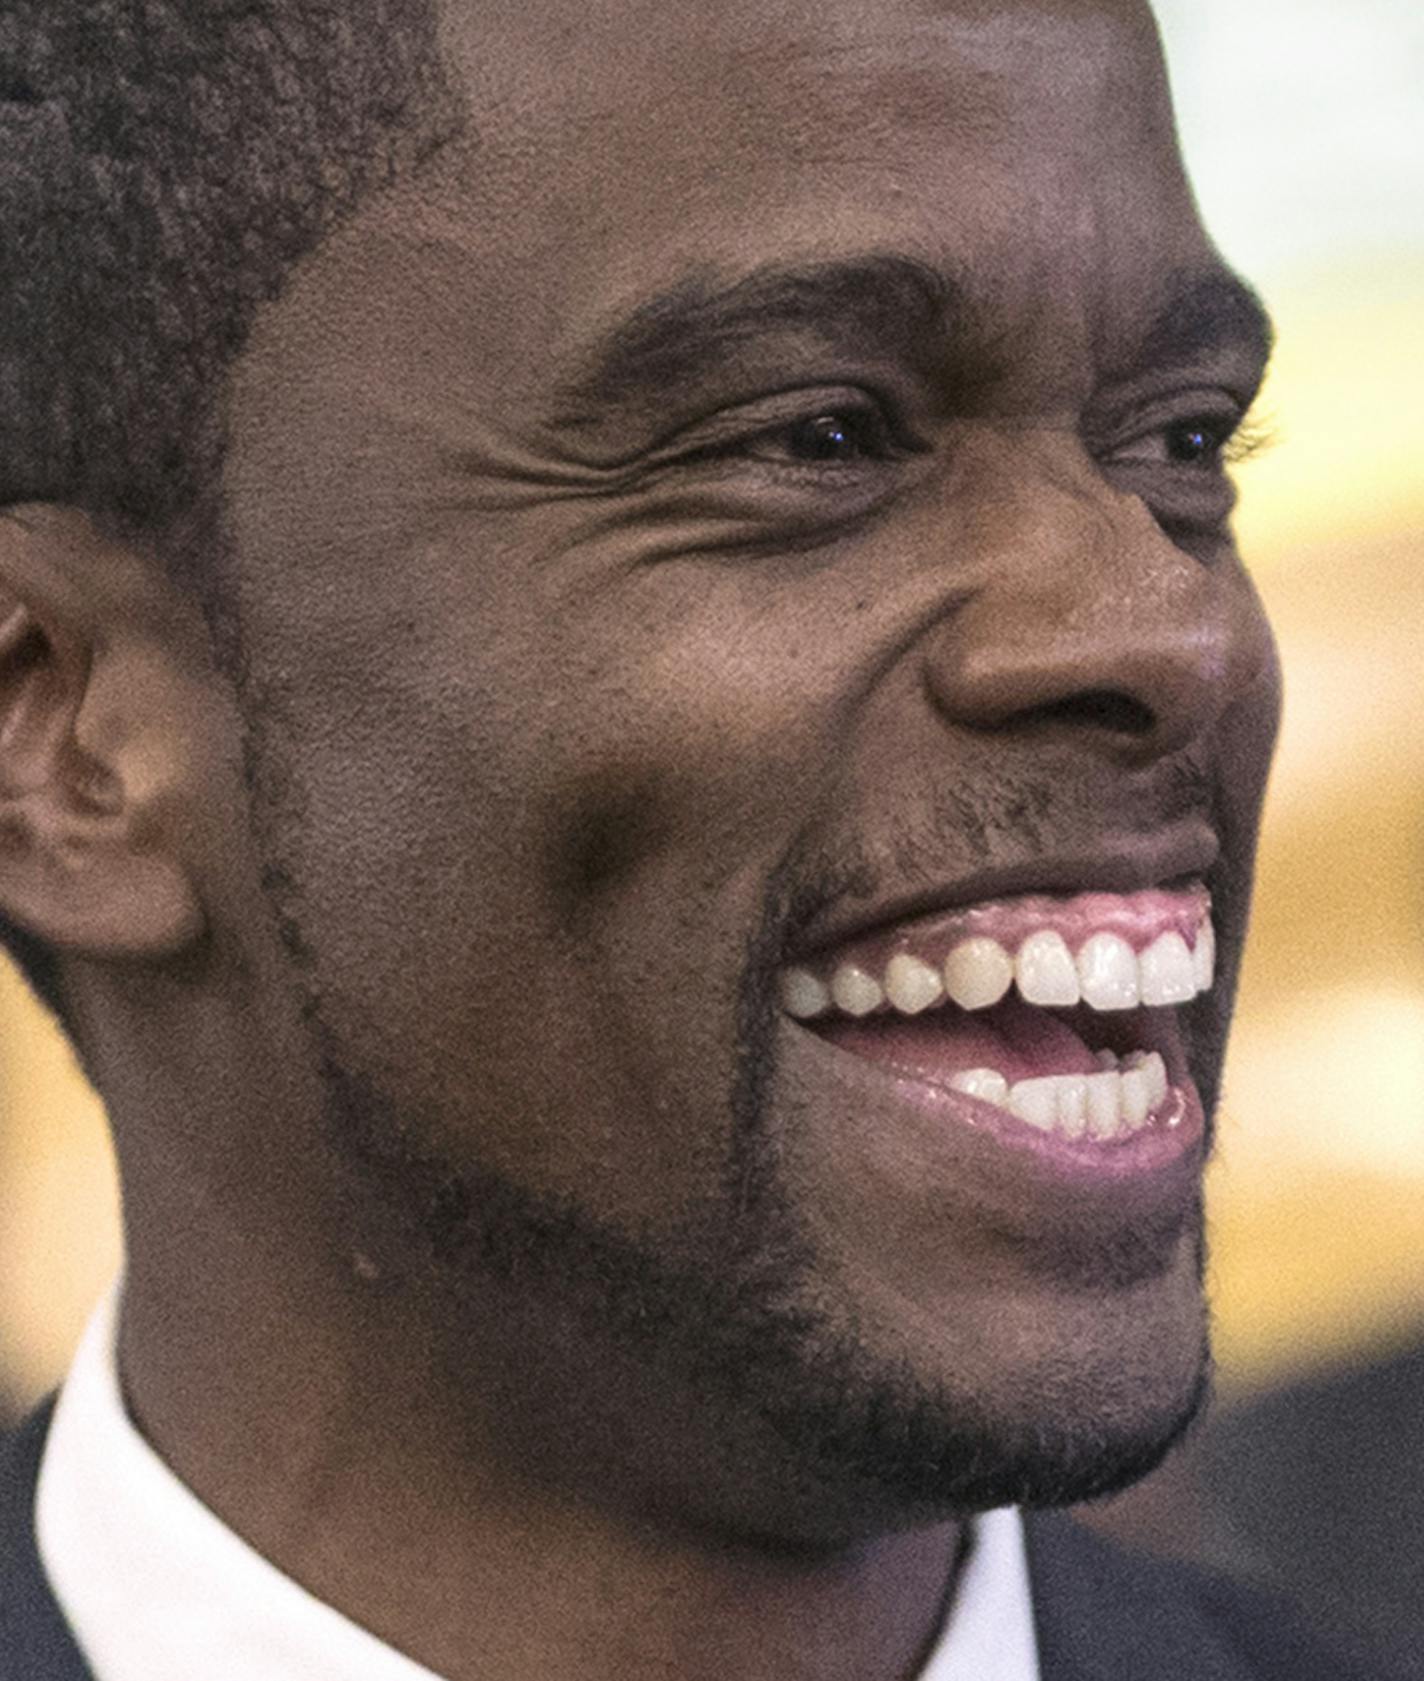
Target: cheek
x: 514, y: 930
x: 527, y: 839
x: 1248, y: 733
x: 676, y: 744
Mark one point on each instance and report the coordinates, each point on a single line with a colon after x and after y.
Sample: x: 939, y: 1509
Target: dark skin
x: 581, y: 667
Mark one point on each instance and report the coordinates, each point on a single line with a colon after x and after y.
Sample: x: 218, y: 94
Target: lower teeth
x: 1114, y: 1103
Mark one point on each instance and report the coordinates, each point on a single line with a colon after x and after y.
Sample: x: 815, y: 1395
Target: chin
x: 1048, y: 1398
x: 889, y: 1450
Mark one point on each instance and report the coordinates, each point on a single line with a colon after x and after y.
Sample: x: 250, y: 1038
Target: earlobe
x: 88, y: 862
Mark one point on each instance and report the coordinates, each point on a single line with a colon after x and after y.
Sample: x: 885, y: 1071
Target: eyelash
x: 876, y: 438
x: 866, y: 427
x: 1231, y: 439
x: 1250, y: 439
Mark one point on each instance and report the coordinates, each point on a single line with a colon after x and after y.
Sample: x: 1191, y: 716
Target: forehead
x: 621, y: 146
x: 779, y: 64
x: 621, y: 151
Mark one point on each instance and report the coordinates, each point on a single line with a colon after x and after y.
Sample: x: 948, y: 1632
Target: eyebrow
x: 880, y: 304
x: 1203, y: 311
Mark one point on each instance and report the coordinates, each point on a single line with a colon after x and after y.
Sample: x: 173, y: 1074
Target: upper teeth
x: 1105, y: 974
x: 856, y: 992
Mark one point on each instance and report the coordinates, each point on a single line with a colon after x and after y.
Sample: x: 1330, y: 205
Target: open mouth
x: 1061, y: 1011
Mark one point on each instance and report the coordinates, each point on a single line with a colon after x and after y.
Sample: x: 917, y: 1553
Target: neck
x: 458, y: 1529
x: 498, y: 1498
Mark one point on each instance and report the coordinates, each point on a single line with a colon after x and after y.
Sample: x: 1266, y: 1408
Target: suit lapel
x: 1105, y: 1615
x: 35, y: 1642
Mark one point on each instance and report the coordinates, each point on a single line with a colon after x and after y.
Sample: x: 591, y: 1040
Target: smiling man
x: 631, y: 748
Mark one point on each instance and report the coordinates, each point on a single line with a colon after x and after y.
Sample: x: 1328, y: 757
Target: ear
x: 95, y: 701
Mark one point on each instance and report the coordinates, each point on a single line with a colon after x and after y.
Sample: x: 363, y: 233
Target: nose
x: 1084, y: 616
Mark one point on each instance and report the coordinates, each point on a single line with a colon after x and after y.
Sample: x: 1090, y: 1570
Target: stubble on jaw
x: 736, y: 1303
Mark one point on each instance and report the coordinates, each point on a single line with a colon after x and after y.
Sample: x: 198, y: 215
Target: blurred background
x: 1303, y: 124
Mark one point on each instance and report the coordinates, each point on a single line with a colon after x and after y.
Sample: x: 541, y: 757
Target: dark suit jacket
x: 1102, y: 1614
x: 1322, y: 1482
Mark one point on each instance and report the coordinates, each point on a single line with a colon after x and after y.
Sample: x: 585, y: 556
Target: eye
x: 837, y: 437
x: 808, y: 448
x: 853, y: 435
x: 1195, y: 443
x: 1199, y: 442
x: 834, y: 437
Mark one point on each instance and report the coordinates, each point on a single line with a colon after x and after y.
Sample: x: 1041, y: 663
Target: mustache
x: 1005, y: 820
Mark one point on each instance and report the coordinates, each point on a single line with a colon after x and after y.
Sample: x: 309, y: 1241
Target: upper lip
x: 1117, y: 864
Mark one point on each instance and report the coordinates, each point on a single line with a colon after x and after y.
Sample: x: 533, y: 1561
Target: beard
x: 735, y: 1302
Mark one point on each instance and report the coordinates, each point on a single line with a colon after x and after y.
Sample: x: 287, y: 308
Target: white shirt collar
x: 990, y: 1634
x: 158, y: 1588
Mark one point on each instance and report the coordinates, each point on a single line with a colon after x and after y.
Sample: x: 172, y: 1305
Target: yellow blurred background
x: 1304, y: 129
x: 1303, y: 126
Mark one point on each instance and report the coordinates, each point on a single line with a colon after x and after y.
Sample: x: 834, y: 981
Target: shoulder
x: 35, y: 1643
x: 1103, y: 1610
x: 1324, y: 1479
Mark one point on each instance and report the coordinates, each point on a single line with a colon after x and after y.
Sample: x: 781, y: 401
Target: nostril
x: 1102, y: 709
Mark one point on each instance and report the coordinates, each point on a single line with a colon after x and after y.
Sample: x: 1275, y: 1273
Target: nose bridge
x: 1088, y: 614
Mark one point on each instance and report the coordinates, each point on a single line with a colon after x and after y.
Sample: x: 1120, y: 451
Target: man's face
x: 754, y: 502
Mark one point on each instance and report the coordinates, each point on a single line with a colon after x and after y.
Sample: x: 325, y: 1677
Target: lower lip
x: 979, y: 1148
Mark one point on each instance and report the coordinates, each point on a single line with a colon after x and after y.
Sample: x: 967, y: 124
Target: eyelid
x: 730, y: 430
x: 1216, y: 408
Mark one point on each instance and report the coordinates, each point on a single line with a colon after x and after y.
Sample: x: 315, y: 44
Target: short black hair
x: 164, y: 164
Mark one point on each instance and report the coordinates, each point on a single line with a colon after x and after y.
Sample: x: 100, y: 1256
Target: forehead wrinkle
x: 880, y: 304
